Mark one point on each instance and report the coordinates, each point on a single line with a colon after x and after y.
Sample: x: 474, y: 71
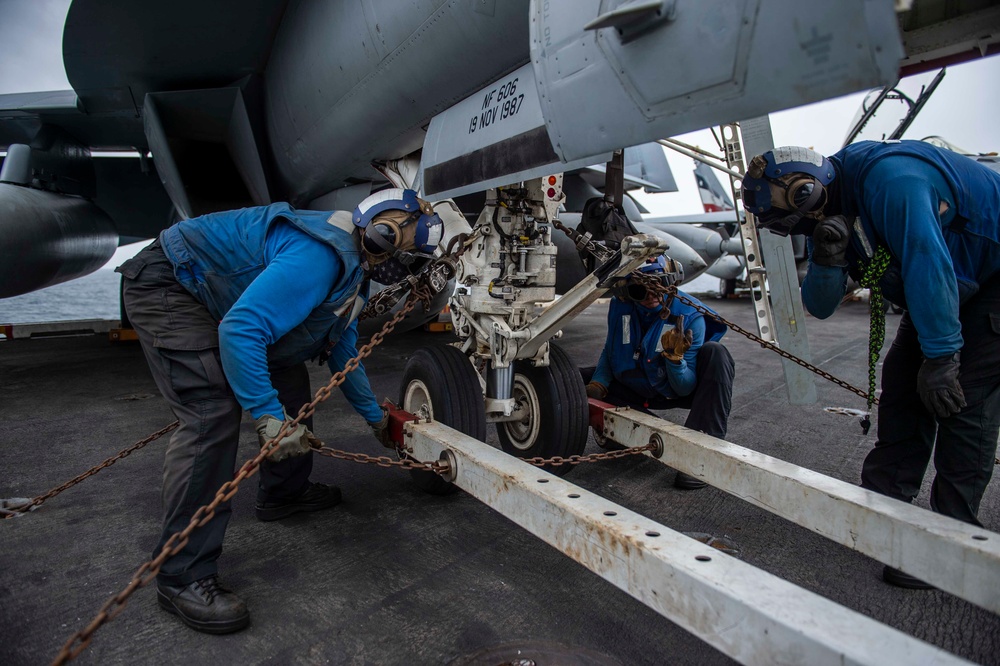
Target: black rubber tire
x: 444, y: 377
x: 562, y: 422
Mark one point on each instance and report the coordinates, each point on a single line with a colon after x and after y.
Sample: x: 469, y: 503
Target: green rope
x: 873, y: 272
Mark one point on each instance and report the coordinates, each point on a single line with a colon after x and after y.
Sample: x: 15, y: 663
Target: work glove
x: 597, y: 390
x: 937, y: 384
x: 381, y: 430
x: 676, y: 341
x: 296, y: 443
x: 830, y: 239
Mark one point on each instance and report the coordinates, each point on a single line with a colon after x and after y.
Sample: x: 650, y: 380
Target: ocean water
x: 93, y: 296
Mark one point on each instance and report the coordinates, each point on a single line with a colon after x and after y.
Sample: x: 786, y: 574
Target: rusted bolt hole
x: 979, y: 537
x: 703, y: 558
x: 610, y: 513
x: 543, y: 480
x: 652, y: 534
x: 573, y: 496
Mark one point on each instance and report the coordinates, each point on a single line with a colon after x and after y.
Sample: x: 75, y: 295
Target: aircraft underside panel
x: 348, y: 83
x: 494, y: 137
x: 613, y: 73
x: 205, y: 150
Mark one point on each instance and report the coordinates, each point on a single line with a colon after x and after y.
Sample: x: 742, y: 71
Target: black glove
x: 937, y: 384
x: 830, y: 239
x: 381, y: 430
x: 597, y: 390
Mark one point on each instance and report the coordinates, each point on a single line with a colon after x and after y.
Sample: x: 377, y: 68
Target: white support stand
x: 953, y: 556
x: 780, y: 296
x: 748, y: 614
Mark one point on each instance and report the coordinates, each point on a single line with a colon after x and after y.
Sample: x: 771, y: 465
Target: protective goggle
x: 390, y: 232
x: 781, y: 202
x: 800, y: 197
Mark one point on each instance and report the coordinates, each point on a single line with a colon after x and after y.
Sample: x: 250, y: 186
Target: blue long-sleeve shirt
x: 906, y: 203
x: 299, y: 274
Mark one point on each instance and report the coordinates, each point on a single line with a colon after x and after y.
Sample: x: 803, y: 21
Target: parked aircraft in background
x: 246, y: 102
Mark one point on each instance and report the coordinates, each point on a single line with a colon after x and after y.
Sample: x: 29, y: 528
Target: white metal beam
x: 748, y: 614
x: 956, y: 557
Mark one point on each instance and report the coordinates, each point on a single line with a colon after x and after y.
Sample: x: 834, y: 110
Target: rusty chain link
x: 436, y: 466
x: 148, y: 571
x: 431, y: 279
x: 555, y: 461
x: 38, y: 501
x: 420, y: 290
x: 602, y: 253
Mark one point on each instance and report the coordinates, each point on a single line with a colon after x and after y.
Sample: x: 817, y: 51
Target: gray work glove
x: 381, y: 430
x: 937, y: 384
x: 295, y: 443
x: 830, y: 239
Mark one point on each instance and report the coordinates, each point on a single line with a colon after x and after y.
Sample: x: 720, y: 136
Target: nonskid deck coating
x: 394, y: 576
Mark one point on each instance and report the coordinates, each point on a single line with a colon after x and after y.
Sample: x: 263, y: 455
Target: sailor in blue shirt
x: 933, y: 217
x: 663, y: 354
x: 228, y: 307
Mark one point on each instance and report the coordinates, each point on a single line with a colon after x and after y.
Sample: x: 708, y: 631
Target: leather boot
x: 899, y: 578
x: 687, y: 482
x: 204, y: 605
x: 316, y: 497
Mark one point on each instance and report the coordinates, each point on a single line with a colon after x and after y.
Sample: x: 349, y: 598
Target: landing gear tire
x: 555, y: 405
x: 441, y: 381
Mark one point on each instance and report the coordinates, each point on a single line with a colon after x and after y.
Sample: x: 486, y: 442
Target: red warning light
x: 551, y: 193
x: 552, y: 180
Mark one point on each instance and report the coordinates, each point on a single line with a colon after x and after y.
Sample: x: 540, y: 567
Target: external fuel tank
x: 49, y: 238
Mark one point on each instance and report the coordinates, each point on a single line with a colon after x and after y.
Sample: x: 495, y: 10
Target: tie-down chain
x: 434, y: 277
x: 602, y: 253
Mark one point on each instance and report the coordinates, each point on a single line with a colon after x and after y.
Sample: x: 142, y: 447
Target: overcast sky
x: 964, y: 110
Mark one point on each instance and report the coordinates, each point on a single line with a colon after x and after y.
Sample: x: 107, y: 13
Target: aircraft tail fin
x: 713, y: 197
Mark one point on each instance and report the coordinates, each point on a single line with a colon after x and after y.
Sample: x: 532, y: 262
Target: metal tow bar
x: 748, y: 614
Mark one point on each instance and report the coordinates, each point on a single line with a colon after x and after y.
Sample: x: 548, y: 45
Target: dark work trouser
x: 966, y: 442
x: 710, y: 401
x: 181, y: 342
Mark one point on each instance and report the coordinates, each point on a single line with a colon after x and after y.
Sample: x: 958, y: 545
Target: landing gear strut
x: 505, y: 313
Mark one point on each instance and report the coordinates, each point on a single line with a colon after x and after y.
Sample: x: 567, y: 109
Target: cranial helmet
x: 628, y: 289
x: 398, y: 226
x: 785, y: 185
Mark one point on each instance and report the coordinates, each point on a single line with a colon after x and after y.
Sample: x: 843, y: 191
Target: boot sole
x: 688, y: 482
x: 206, y: 627
x: 898, y: 578
x: 268, y: 514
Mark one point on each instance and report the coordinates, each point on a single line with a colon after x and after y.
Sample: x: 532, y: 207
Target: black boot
x: 316, y: 497
x: 205, y: 605
x: 899, y: 578
x: 688, y: 482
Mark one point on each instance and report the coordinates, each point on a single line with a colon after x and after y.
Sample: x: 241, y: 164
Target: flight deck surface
x: 393, y: 575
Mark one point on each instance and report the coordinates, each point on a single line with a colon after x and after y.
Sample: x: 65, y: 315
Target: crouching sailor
x: 653, y: 363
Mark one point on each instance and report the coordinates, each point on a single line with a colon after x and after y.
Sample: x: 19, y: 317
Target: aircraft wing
x: 244, y: 102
